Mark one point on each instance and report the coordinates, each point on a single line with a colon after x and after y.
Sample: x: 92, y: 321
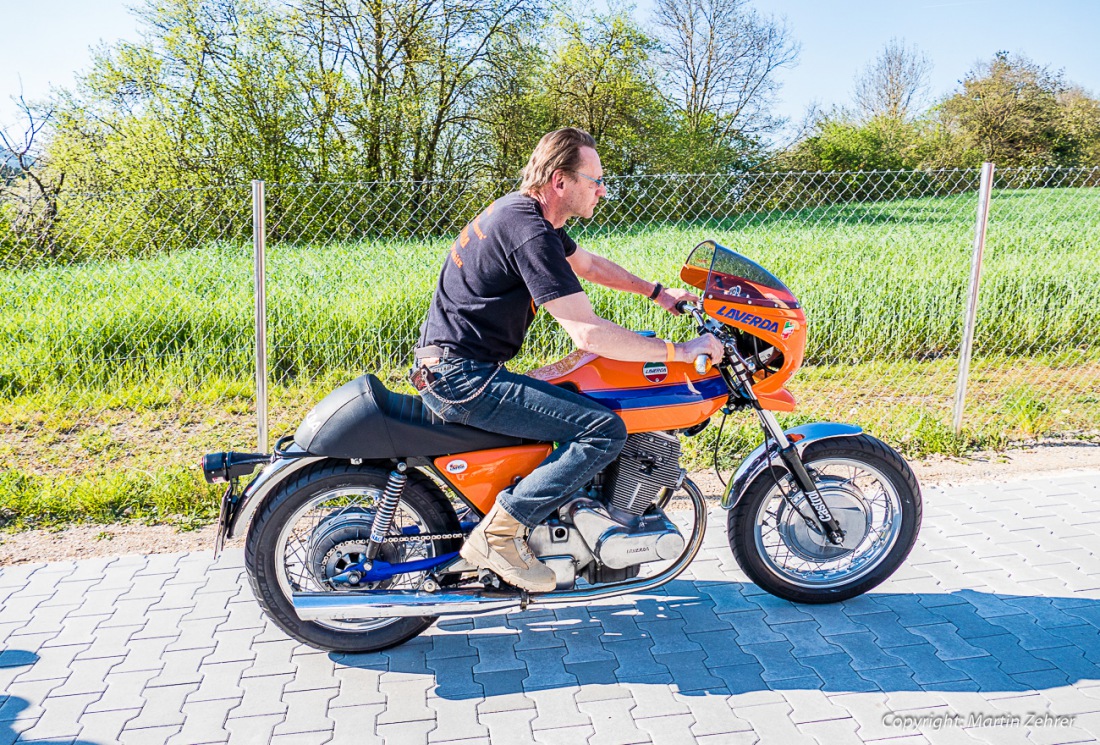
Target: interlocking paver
x: 355, y: 724
x: 106, y: 725
x: 512, y: 726
x: 454, y: 677
x: 124, y: 691
x: 61, y: 718
x: 148, y: 735
x: 714, y: 715
x: 672, y: 729
x: 407, y: 732
x: 556, y: 709
x: 667, y: 636
x: 263, y: 697
x: 259, y: 730
x: 88, y: 676
x: 635, y: 660
x: 204, y: 722
x: 545, y: 669
x: 406, y: 700
x: 163, y: 706
x: 688, y: 671
x: 565, y: 735
x: 307, y: 712
x: 455, y: 720
x: 613, y: 722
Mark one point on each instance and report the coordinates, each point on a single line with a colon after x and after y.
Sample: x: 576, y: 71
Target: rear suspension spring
x: 387, y: 507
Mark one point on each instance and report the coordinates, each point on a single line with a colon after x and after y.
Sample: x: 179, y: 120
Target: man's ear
x: 557, y: 179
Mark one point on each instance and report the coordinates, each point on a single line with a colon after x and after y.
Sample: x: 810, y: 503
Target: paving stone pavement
x: 989, y: 634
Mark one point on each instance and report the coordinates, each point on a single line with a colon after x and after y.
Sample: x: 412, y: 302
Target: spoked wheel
x: 872, y: 493
x: 314, y: 530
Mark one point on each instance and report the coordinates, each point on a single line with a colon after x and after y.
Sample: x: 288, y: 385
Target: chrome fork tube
x: 771, y: 424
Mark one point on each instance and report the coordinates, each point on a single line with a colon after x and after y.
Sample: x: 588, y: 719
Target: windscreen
x: 730, y: 277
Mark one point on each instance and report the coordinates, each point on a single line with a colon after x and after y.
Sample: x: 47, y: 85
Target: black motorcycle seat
x: 364, y: 419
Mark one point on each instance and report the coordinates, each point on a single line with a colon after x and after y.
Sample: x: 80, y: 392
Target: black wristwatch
x: 656, y: 291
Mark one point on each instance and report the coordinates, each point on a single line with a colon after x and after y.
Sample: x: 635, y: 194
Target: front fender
x: 768, y: 453
x: 253, y: 496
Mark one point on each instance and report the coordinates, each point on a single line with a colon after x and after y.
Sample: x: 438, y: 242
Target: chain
x: 428, y: 387
x: 423, y: 537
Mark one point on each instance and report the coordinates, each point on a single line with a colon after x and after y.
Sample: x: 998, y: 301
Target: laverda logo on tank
x: 655, y: 372
x: 749, y: 319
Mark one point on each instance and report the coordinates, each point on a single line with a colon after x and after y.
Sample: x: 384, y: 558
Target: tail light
x: 220, y: 468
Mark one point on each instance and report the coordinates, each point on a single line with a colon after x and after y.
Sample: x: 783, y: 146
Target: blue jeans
x: 589, y: 435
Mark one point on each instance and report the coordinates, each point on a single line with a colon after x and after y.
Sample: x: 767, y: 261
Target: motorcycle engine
x: 608, y: 542
x: 648, y: 466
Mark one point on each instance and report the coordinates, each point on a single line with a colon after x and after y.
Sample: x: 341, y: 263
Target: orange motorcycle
x: 355, y: 521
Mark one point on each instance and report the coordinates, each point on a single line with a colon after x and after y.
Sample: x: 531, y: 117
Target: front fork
x: 787, y: 451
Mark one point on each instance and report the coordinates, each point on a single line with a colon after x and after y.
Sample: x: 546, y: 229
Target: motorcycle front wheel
x: 317, y: 525
x: 873, y: 494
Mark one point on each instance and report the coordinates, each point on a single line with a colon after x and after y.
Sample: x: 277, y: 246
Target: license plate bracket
x: 226, y: 512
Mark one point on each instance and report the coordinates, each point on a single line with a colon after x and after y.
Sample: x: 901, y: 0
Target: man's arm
x: 606, y: 272
x: 601, y: 271
x: 600, y: 336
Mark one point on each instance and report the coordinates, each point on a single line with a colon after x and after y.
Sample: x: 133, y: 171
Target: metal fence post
x: 259, y: 232
x: 985, y: 190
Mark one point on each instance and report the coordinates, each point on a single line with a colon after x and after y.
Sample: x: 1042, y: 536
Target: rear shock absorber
x: 387, y: 507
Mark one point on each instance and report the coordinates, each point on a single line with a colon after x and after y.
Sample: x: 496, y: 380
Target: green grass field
x: 115, y: 375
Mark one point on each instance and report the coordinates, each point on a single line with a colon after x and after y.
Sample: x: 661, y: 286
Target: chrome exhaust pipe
x: 351, y: 606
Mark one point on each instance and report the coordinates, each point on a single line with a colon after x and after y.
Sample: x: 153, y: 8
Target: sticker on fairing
x: 655, y: 372
x: 789, y: 328
x: 457, y: 466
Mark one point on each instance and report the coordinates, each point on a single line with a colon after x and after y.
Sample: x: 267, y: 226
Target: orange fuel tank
x: 649, y: 396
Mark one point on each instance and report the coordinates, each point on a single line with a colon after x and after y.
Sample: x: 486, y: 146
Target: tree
x: 721, y: 59
x: 1007, y: 111
x: 1078, y: 128
x: 894, y: 83
x: 599, y: 79
x: 31, y: 188
x: 840, y: 144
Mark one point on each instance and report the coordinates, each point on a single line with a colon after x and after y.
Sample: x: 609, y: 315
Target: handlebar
x: 703, y: 361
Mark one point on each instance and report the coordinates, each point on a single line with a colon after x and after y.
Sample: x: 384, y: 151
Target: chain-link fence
x: 127, y: 342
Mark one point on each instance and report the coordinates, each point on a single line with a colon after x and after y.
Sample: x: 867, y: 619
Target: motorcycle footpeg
x: 490, y: 579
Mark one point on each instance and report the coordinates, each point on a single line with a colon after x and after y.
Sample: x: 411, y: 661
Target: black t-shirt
x: 503, y: 265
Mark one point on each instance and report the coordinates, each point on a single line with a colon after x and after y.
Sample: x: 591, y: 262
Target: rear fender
x: 767, y: 455
x: 257, y: 490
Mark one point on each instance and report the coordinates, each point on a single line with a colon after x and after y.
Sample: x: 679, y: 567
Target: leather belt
x: 431, y: 355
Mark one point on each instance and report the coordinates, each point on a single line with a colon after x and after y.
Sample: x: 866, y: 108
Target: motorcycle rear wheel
x: 307, y: 529
x: 871, y: 491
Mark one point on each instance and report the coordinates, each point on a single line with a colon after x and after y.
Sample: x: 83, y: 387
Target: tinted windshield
x: 730, y: 277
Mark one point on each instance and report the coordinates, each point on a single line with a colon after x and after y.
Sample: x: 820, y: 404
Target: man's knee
x: 613, y: 428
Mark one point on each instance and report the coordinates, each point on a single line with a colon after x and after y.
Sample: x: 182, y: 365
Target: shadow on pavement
x: 712, y: 638
x: 12, y: 706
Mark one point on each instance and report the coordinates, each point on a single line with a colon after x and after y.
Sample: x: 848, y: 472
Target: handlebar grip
x: 702, y: 364
x: 682, y: 306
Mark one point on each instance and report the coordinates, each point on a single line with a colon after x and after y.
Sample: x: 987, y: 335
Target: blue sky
x: 52, y: 38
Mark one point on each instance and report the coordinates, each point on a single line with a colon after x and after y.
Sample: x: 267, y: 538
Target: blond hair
x: 559, y: 150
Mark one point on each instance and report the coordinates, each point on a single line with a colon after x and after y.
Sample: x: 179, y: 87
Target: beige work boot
x: 498, y: 543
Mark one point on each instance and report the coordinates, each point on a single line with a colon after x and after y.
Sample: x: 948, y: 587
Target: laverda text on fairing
x: 352, y: 542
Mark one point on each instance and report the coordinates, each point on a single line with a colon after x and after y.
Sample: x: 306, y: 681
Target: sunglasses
x: 597, y: 181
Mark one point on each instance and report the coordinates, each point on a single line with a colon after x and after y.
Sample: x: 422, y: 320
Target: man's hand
x: 671, y: 295
x: 707, y: 344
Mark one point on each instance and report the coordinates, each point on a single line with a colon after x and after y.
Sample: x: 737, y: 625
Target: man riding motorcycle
x: 510, y: 260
